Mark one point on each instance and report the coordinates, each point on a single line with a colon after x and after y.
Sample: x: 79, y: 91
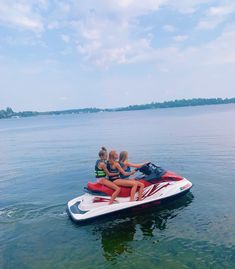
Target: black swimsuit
x: 113, y: 170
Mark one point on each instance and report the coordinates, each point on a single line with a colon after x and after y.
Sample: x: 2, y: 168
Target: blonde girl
x: 126, y: 166
x: 101, y: 173
x: 114, y: 167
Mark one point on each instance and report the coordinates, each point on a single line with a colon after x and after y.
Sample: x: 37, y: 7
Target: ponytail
x: 102, y: 152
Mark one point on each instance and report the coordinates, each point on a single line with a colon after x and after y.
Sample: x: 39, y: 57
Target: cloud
x: 221, y: 10
x: 20, y: 14
x: 218, y: 52
x: 99, y: 44
x: 132, y: 44
x: 180, y: 38
x: 22, y: 40
x: 187, y: 6
x: 139, y: 7
x: 221, y: 50
x: 65, y: 38
x: 215, y: 15
x: 53, y: 25
x: 125, y: 8
x: 209, y: 24
x: 168, y: 28
x: 110, y: 32
x: 104, y: 36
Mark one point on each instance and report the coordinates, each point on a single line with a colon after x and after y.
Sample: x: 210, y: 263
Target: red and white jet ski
x: 160, y: 186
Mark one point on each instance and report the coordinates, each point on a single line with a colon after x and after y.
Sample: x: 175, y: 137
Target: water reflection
x: 117, y: 233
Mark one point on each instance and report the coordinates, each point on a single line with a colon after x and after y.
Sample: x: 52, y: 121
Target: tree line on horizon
x: 9, y: 113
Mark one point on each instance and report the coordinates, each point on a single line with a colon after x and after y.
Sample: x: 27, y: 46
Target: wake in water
x: 21, y: 212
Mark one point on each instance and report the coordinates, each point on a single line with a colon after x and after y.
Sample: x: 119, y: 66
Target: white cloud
x: 187, y: 6
x: 215, y: 53
x: 221, y: 10
x: 53, y: 25
x: 122, y: 8
x: 221, y: 50
x: 108, y: 40
x: 124, y: 52
x: 65, y: 38
x: 22, y: 40
x: 20, y: 14
x: 180, y: 38
x: 215, y: 15
x: 104, y: 32
x: 209, y: 23
x: 168, y: 28
x: 101, y: 45
x: 108, y: 33
x: 139, y: 7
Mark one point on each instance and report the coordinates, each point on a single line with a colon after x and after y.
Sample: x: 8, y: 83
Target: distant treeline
x: 180, y: 103
x: 9, y: 113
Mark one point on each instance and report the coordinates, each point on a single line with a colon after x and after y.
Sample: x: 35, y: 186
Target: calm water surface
x: 46, y: 161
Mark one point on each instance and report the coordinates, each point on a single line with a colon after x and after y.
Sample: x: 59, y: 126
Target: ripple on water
x: 30, y: 212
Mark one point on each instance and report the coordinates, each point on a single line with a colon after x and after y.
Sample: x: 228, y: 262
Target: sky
x: 65, y: 54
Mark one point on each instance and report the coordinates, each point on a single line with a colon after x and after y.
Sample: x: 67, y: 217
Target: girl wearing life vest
x: 101, y: 173
x: 126, y: 166
x: 114, y: 167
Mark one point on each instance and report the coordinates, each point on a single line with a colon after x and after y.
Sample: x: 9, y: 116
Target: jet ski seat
x: 99, y: 189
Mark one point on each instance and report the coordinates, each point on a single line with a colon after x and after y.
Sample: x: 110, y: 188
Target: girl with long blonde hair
x: 126, y: 166
x: 102, y: 174
x: 114, y: 167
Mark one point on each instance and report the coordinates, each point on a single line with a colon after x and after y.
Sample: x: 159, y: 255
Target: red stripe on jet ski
x: 154, y: 187
x: 154, y: 190
x: 100, y: 199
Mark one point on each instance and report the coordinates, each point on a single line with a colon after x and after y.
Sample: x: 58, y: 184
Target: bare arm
x: 135, y: 165
x: 104, y: 167
x: 126, y: 174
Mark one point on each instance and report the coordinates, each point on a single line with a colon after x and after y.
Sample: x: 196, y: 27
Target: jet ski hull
x: 90, y: 206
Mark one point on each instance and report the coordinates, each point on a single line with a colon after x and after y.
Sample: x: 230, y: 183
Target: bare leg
x: 141, y: 188
x: 133, y: 191
x: 112, y: 186
x: 128, y: 183
x: 140, y: 191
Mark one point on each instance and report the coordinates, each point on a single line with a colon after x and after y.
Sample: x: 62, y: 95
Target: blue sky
x: 61, y: 54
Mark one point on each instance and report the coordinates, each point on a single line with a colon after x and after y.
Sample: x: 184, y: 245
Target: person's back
x: 126, y: 168
x: 99, y: 172
x: 123, y: 156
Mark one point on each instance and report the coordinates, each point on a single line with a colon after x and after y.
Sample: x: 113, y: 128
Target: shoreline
x: 10, y: 114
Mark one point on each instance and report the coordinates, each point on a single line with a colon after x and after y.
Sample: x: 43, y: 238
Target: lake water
x: 46, y: 161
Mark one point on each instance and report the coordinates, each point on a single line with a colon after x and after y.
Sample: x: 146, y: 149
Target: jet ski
x: 160, y: 186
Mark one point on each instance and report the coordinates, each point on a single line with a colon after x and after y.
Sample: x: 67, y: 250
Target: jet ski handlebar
x: 145, y: 166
